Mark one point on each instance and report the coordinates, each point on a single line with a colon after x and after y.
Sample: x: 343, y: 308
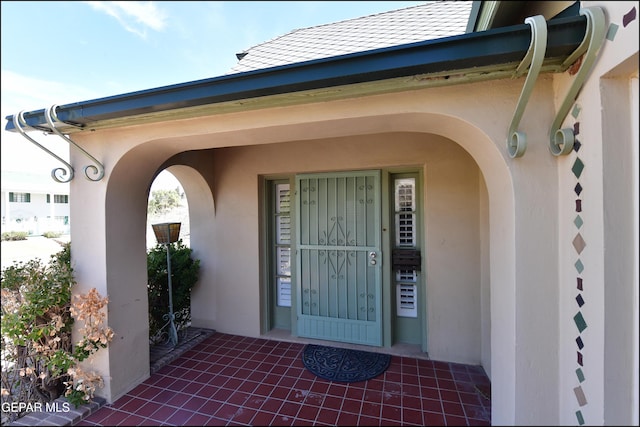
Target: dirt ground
x: 33, y: 247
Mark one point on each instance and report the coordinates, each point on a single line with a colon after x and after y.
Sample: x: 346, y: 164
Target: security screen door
x: 338, y: 254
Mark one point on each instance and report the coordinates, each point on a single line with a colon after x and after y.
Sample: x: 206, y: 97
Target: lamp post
x: 167, y: 233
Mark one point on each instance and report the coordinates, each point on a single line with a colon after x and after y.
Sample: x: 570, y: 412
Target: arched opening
x: 230, y: 256
x: 170, y: 319
x: 123, y: 246
x: 167, y: 203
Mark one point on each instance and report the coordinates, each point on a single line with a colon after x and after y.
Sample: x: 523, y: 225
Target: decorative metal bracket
x: 19, y: 122
x: 59, y: 174
x: 517, y: 141
x: 561, y: 140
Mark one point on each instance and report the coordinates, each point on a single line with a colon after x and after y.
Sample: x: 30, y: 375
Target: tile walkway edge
x: 66, y: 414
x: 163, y: 354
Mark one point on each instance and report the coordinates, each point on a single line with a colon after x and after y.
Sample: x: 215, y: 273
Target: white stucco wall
x: 596, y: 364
x: 451, y: 230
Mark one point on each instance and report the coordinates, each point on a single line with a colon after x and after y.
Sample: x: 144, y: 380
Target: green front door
x: 338, y: 256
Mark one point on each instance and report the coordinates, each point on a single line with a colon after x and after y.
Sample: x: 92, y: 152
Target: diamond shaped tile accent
x: 580, y: 362
x: 579, y: 243
x: 576, y: 128
x: 629, y: 17
x: 578, y: 221
x: 578, y: 189
x: 577, y: 167
x: 580, y: 323
x: 612, y: 31
x: 579, y: 266
x: 576, y: 111
x: 576, y: 146
x: 580, y: 375
x: 580, y: 300
x: 579, y: 343
x: 582, y: 400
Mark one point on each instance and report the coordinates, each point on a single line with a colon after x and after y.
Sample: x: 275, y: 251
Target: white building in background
x: 34, y: 203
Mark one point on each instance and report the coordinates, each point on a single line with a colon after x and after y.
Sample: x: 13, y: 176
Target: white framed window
x: 282, y: 243
x: 405, y: 210
x: 406, y: 293
x: 19, y: 197
x: 58, y: 198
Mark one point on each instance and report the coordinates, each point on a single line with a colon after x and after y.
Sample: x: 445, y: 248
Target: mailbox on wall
x: 406, y: 259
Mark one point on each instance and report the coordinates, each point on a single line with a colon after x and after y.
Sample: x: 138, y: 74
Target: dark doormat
x: 343, y: 364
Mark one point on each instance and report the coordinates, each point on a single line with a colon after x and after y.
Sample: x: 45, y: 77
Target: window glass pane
x: 405, y: 207
x: 284, y: 292
x: 405, y: 194
x: 406, y: 276
x: 283, y: 229
x: 405, y: 229
x: 283, y: 198
x: 406, y: 236
x: 284, y: 261
x: 281, y: 245
x: 20, y: 197
x: 406, y: 301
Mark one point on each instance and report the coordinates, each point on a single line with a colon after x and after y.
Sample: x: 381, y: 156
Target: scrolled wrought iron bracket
x: 517, y: 141
x: 98, y: 168
x: 20, y: 124
x: 59, y: 174
x: 561, y: 140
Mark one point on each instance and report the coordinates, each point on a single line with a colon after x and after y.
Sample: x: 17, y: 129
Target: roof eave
x: 492, y: 49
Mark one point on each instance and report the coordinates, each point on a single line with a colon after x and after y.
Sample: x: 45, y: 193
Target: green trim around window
x: 275, y: 267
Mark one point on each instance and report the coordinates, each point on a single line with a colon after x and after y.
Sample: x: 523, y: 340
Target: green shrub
x: 51, y: 234
x: 40, y: 361
x: 36, y: 329
x: 162, y: 201
x: 14, y: 235
x: 184, y: 275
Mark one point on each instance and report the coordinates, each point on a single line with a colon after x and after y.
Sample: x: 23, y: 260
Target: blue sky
x: 62, y: 52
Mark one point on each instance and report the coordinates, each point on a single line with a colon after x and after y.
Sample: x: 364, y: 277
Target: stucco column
x: 88, y: 258
x: 536, y: 288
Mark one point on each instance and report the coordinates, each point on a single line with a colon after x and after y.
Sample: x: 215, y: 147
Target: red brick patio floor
x: 229, y: 380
